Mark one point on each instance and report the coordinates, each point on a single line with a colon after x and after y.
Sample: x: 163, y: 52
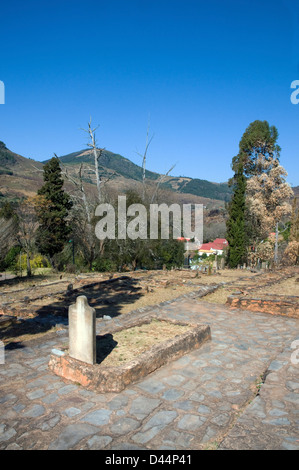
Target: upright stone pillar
x: 82, y: 331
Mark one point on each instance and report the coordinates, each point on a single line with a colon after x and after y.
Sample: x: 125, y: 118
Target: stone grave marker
x: 82, y: 331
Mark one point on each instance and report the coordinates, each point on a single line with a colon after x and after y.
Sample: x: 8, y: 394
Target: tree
x: 292, y: 251
x: 27, y: 225
x: 294, y: 231
x: 236, y: 235
x: 258, y: 144
x: 268, y: 196
x: 8, y: 226
x: 267, y: 192
x: 83, y: 230
x: 97, y: 152
x: 52, y: 211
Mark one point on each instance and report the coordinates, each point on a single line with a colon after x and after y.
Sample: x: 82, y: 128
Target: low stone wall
x: 274, y: 304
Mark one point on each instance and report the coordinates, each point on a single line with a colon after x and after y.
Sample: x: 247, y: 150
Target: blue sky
x: 201, y: 70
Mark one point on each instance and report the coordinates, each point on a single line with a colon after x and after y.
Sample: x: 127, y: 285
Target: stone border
x: 115, y: 379
x: 284, y: 277
x: 274, y: 304
x: 287, y: 306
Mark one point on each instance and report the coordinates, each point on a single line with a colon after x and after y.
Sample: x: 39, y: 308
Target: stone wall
x: 273, y: 304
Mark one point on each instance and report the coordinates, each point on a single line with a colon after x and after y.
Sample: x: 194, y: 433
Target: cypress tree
x: 259, y: 140
x: 54, y: 230
x: 236, y: 233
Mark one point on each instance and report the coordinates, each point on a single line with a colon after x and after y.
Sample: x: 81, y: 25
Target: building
x: 216, y: 247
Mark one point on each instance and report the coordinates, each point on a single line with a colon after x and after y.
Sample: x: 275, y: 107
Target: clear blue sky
x: 202, y: 71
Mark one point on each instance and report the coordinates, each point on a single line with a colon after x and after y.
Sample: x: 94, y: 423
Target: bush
x: 39, y: 261
x: 104, y: 265
x: 70, y: 268
x: 10, y: 259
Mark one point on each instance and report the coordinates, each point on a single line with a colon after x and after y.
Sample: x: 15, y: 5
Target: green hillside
x: 127, y: 169
x: 7, y: 158
x: 120, y: 165
x: 211, y: 190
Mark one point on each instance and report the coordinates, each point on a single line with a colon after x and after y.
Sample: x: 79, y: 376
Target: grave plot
x: 278, y: 297
x: 115, y: 359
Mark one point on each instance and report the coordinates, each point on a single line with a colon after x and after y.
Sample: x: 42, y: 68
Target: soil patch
x: 126, y: 345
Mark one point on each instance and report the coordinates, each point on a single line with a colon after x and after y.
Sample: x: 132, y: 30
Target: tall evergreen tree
x: 236, y: 232
x: 258, y: 144
x: 52, y: 212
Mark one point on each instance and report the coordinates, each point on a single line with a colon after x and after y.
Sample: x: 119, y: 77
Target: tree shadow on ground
x: 16, y: 280
x: 106, y: 297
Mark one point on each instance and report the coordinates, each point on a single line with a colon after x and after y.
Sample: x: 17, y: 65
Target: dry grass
x: 128, y: 344
x: 287, y: 287
x: 218, y: 297
x: 158, y: 295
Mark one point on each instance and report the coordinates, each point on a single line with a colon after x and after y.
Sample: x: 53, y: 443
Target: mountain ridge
x: 126, y: 168
x: 21, y: 176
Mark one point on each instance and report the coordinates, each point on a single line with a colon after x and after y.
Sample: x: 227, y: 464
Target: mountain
x: 113, y: 165
x: 296, y: 191
x: 109, y: 161
x: 200, y: 187
x: 21, y: 177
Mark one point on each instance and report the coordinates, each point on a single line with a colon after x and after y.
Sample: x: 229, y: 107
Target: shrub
x: 103, y: 265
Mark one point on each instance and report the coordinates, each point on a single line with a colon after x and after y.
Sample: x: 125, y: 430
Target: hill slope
x: 113, y: 165
x: 19, y: 176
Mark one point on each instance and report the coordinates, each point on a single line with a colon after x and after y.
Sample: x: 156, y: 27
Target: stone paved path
x: 205, y: 400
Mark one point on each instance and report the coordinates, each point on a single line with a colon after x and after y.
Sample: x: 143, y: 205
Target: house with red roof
x: 216, y: 247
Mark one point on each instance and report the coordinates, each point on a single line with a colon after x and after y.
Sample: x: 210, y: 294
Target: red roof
x: 218, y: 244
x: 223, y: 241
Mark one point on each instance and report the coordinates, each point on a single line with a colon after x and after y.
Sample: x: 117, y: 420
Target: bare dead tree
x: 160, y: 181
x: 79, y: 188
x: 97, y: 155
x: 143, y: 156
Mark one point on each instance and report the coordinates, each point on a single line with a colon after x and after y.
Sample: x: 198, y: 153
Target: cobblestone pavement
x: 214, y: 397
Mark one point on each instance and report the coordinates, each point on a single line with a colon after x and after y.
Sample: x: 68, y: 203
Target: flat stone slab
x: 7, y: 320
x: 116, y: 378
